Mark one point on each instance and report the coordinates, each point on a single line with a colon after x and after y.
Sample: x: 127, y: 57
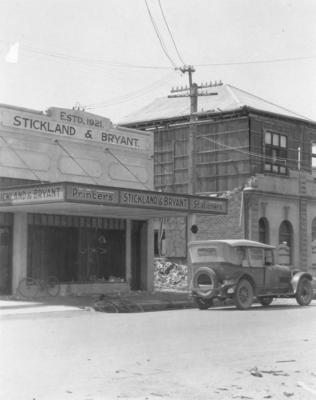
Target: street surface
x: 221, y: 353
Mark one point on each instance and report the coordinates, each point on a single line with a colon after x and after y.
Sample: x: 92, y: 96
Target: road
x: 221, y: 353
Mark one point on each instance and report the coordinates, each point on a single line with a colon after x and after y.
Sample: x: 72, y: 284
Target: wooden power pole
x: 192, y: 92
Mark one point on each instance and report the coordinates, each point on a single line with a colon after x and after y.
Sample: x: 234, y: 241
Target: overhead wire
x: 249, y: 153
x: 276, y: 60
x: 159, y: 36
x: 85, y: 60
x: 171, y: 35
x: 130, y: 96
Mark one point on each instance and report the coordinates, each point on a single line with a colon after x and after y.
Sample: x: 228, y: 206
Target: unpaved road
x: 220, y: 353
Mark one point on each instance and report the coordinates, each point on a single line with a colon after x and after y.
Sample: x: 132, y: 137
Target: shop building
x: 77, y: 202
x: 259, y: 156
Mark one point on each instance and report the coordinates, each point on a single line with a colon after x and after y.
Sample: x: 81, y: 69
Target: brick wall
x: 230, y: 226
x: 175, y: 228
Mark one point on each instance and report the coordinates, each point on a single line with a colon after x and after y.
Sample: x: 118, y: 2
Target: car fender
x: 297, y: 277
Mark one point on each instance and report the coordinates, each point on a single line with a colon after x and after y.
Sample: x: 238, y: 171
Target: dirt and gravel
x: 220, y: 353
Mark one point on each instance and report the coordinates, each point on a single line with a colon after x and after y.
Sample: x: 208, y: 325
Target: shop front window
x: 76, y: 251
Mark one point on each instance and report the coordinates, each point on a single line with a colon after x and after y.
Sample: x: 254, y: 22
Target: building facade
x: 257, y: 155
x: 77, y: 202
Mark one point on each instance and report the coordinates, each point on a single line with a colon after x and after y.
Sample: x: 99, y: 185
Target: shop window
x: 275, y: 152
x: 159, y: 243
x: 285, y: 243
x: 76, y: 254
x: 263, y: 230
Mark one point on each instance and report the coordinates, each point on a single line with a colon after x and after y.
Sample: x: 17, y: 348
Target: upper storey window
x: 275, y: 152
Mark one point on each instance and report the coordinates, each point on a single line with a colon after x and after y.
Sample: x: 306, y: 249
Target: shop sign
x: 39, y: 194
x: 208, y: 205
x: 79, y: 193
x: 78, y: 117
x: 91, y: 132
x: 143, y: 199
x: 91, y: 195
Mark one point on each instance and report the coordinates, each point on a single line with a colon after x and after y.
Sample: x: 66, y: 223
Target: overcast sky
x: 94, y: 52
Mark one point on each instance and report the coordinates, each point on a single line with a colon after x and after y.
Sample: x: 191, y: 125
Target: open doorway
x: 138, y: 255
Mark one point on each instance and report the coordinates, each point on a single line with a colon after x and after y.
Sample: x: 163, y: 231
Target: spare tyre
x: 204, y: 282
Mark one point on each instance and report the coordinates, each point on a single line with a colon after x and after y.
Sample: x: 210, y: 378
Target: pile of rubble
x: 170, y: 275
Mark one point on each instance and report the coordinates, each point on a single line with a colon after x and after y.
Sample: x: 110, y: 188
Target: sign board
x: 102, y: 195
x: 32, y: 195
x: 92, y: 195
x: 153, y: 200
x: 207, y: 204
x: 70, y: 125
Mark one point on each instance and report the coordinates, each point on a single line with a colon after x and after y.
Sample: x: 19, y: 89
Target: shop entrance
x: 138, y: 255
x: 5, y: 260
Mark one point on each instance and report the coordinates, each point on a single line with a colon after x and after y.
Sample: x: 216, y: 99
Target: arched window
x: 264, y: 231
x: 285, y: 243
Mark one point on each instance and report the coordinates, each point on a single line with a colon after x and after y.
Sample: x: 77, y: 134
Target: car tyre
x: 203, y: 304
x: 211, y: 278
x: 304, y: 292
x: 265, y: 301
x: 243, y: 296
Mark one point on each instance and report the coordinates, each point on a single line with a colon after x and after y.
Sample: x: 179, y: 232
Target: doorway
x: 138, y: 255
x: 5, y: 260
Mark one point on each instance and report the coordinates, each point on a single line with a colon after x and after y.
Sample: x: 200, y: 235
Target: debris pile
x: 170, y: 275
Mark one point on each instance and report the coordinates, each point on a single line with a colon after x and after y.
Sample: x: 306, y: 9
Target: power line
x: 276, y: 60
x: 249, y: 153
x: 118, y: 64
x: 159, y: 37
x: 84, y: 60
x: 131, y: 95
x: 167, y: 25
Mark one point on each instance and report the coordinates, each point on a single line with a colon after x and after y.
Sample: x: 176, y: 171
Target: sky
x: 106, y: 56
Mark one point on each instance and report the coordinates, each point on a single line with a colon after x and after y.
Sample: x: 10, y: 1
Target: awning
x: 76, y: 198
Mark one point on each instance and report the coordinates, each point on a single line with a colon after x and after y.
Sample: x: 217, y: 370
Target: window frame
x: 275, y: 152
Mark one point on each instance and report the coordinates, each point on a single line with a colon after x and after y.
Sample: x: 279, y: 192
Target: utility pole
x: 193, y: 93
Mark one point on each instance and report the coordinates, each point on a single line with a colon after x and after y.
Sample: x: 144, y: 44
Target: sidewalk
x: 144, y: 301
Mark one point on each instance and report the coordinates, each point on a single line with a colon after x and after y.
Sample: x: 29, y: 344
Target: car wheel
x: 203, y: 304
x: 304, y: 292
x: 243, y: 295
x: 265, y: 301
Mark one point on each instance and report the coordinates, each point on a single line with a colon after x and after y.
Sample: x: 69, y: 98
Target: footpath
x: 113, y: 302
x: 136, y: 301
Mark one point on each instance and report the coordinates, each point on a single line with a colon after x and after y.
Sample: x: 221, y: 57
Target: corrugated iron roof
x: 228, y: 98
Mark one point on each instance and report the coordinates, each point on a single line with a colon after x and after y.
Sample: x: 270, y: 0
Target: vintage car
x: 243, y: 270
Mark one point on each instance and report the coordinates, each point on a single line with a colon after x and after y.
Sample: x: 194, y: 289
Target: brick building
x: 258, y: 155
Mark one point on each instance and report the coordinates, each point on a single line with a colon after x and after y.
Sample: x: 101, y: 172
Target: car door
x: 271, y: 273
x: 256, y: 267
